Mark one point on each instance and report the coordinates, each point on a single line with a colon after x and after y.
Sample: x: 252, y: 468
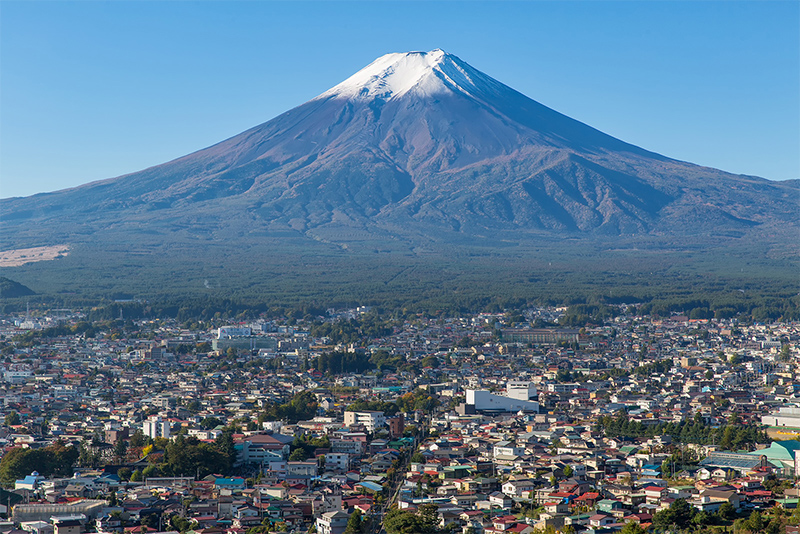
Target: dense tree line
x: 57, y: 459
x: 732, y: 436
x: 424, y: 521
x: 303, y: 446
x: 384, y: 360
x: 83, y: 328
x: 10, y: 289
x: 188, y: 456
x: 419, y: 399
x: 654, y: 368
x: 302, y: 407
x: 683, y: 517
x: 588, y: 314
x: 430, y: 289
x: 363, y: 405
x: 337, y: 363
x: 369, y: 325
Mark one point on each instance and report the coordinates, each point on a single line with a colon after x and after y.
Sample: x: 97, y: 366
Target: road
x: 400, y: 476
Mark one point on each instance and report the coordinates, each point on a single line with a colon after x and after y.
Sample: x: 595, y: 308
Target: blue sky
x: 91, y: 90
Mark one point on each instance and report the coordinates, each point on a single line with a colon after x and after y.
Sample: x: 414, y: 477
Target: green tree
x: 632, y: 527
x: 136, y: 476
x: 56, y: 459
x: 150, y: 521
x: 12, y: 419
x: 726, y: 511
x: 187, y: 456
x: 302, y: 407
x: 181, y: 524
x: 120, y: 449
x: 666, y: 468
x: 210, y: 422
x: 150, y: 471
x: 702, y: 519
x: 727, y: 438
x: 355, y: 524
x: 138, y: 439
x: 419, y: 399
x: 756, y: 522
x: 298, y: 455
x: 679, y: 514
x: 224, y: 444
x: 401, y: 522
x: 430, y: 516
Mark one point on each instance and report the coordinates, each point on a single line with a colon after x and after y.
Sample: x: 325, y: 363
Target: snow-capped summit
x: 424, y: 73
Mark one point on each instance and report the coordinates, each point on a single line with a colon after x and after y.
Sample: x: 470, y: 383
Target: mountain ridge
x: 416, y: 149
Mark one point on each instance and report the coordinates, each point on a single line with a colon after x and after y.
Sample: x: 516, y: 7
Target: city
x: 502, y: 422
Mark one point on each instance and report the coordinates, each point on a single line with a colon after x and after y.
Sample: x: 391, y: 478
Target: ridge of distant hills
x: 10, y: 289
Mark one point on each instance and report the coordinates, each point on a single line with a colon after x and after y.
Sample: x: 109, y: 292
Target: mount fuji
x: 415, y: 153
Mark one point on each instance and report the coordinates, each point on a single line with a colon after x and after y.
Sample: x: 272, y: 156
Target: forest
x: 296, y: 284
x: 731, y: 436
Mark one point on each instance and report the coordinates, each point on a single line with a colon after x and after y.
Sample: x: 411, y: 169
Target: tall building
x: 332, y: 522
x: 370, y: 419
x: 396, y: 425
x: 155, y: 427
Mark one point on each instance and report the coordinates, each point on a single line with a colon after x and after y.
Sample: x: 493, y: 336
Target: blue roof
x: 372, y: 486
x: 779, y: 450
x: 229, y: 482
x: 732, y: 460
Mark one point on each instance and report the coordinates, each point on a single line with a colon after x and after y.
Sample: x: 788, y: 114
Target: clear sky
x: 91, y: 90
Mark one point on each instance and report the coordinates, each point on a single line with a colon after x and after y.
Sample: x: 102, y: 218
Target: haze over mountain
x: 414, y: 153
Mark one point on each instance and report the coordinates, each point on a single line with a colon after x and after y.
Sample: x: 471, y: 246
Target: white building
x: 521, y: 390
x: 17, y: 377
x: 506, y: 448
x: 227, y: 332
x: 370, y: 419
x: 203, y: 434
x: 254, y: 453
x: 785, y: 416
x: 155, y: 427
x: 347, y: 446
x: 332, y: 523
x: 301, y: 468
x: 337, y: 461
x: 483, y: 400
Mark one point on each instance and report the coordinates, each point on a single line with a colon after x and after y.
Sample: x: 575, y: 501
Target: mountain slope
x: 417, y: 148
